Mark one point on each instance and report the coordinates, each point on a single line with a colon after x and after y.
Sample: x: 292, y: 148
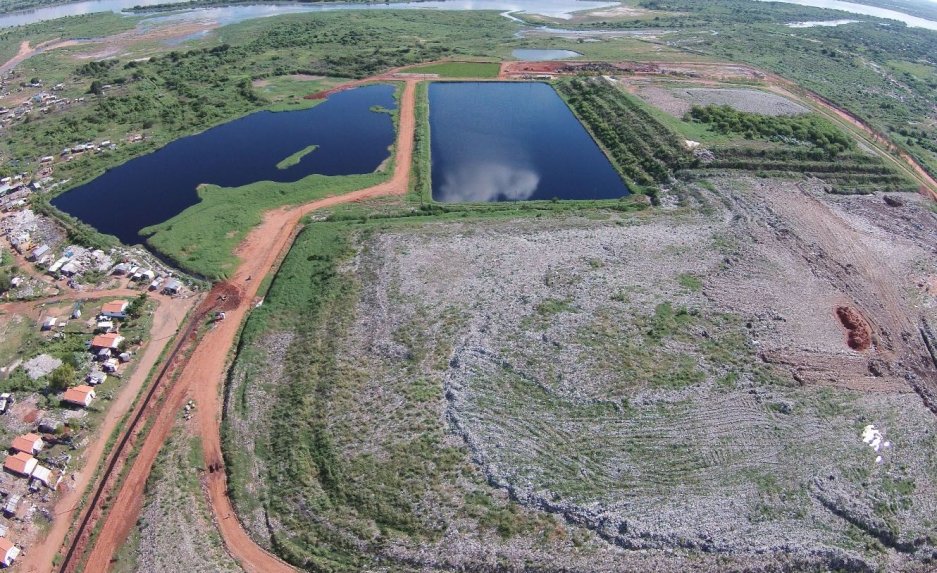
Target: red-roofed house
x: 110, y: 341
x: 79, y: 395
x: 8, y: 552
x: 28, y: 443
x: 115, y: 309
x: 22, y: 464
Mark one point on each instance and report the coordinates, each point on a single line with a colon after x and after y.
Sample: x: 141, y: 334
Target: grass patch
x: 295, y: 158
x: 202, y: 238
x: 460, y: 69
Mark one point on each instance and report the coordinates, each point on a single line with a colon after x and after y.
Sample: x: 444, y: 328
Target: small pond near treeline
x: 499, y: 141
x: 349, y: 137
x: 543, y: 55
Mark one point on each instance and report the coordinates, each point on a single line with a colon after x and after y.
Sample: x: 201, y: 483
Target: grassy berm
x: 596, y: 391
x: 175, y: 531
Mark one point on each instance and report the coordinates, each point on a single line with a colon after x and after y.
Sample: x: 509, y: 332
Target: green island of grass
x: 296, y: 157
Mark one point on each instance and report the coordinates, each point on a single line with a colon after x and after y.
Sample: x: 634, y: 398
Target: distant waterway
x: 494, y: 141
x: 224, y: 15
x: 349, y: 139
x: 852, y: 7
x: 822, y: 23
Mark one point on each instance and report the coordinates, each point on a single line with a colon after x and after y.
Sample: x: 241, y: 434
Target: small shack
x: 79, y: 395
x: 96, y: 377
x: 172, y: 286
x: 28, y: 444
x: 49, y: 323
x: 109, y: 341
x: 8, y: 552
x: 38, y: 252
x: 41, y: 475
x: 21, y: 464
x: 115, y: 309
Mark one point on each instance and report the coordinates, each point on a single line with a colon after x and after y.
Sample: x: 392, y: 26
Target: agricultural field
x: 443, y: 382
x: 460, y: 69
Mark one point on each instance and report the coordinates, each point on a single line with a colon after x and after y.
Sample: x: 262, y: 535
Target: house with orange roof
x: 79, y: 395
x: 21, y: 464
x: 115, y: 309
x: 8, y: 552
x: 28, y: 443
x: 109, y: 341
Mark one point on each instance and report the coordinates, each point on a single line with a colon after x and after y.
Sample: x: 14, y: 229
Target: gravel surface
x: 41, y: 366
x: 678, y: 101
x: 751, y: 101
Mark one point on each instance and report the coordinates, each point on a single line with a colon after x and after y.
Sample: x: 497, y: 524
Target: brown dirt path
x: 26, y: 51
x: 202, y: 375
x: 166, y: 320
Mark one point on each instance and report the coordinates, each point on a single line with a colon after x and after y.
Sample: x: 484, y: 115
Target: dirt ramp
x: 859, y: 335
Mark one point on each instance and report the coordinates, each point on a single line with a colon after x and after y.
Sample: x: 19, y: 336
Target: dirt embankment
x: 201, y: 375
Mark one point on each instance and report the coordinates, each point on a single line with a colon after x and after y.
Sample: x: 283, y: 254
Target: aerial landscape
x: 449, y: 285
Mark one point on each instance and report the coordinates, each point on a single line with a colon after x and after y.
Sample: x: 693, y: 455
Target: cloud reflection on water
x: 483, y: 182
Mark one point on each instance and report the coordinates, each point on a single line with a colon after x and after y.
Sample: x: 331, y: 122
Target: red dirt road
x: 202, y: 375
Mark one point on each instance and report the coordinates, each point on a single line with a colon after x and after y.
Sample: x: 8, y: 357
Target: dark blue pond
x: 351, y: 139
x: 512, y: 142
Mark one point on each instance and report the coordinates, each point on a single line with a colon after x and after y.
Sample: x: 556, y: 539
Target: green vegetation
x: 183, y: 92
x: 295, y: 158
x: 861, y: 67
x: 460, y: 69
x: 642, y: 149
x: 806, y: 129
x: 202, y: 238
x: 83, y: 26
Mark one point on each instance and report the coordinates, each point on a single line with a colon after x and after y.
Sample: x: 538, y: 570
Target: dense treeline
x: 850, y: 172
x: 805, y: 129
x: 643, y: 150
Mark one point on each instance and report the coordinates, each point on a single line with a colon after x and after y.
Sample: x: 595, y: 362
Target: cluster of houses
x: 79, y: 150
x: 138, y: 274
x: 21, y: 462
x: 15, y: 189
x: 43, y: 101
x: 105, y: 348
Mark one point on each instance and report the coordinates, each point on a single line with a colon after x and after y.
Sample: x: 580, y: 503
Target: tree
x: 62, y: 377
x: 6, y: 281
x: 96, y: 88
x: 135, y: 310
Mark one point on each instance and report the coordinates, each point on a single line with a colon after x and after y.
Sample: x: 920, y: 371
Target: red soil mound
x: 860, y: 335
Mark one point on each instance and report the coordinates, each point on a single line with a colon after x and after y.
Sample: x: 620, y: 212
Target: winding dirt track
x: 202, y: 374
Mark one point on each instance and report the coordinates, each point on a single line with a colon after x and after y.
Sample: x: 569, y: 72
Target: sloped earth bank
x: 176, y: 523
x: 555, y: 393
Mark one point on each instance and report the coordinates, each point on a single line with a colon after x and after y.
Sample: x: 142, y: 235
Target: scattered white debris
x: 876, y: 440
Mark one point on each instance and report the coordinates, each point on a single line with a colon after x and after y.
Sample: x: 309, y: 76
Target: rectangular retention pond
x: 350, y: 139
x: 500, y: 141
